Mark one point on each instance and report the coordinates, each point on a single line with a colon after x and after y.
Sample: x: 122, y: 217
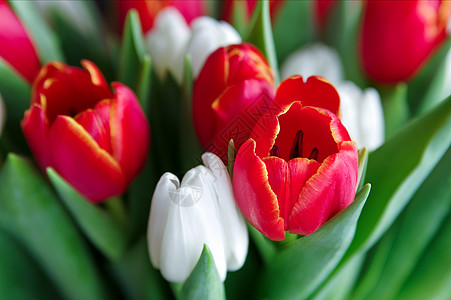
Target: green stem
x: 177, y: 289
x: 116, y: 207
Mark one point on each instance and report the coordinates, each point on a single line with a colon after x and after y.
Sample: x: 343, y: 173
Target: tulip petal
x: 35, y: 127
x: 327, y: 192
x: 17, y: 48
x: 235, y: 230
x: 79, y: 160
x: 253, y: 194
x: 288, y: 179
x: 129, y: 131
x: 316, y: 91
x: 191, y: 223
x: 159, y: 211
x: 93, y: 125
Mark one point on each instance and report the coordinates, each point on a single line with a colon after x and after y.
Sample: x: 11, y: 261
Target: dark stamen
x: 314, y: 154
x: 274, y: 151
x: 296, y: 147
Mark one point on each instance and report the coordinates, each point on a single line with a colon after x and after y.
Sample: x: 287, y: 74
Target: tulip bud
x: 398, y: 37
x: 167, y: 43
x: 16, y: 48
x: 93, y: 137
x: 148, y: 10
x: 360, y: 111
x: 299, y: 168
x: 201, y: 210
x: 233, y: 89
x: 2, y: 115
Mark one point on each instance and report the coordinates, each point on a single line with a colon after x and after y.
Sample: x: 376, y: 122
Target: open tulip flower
x: 234, y: 87
x: 397, y: 37
x: 16, y: 48
x: 299, y: 168
x: 93, y: 137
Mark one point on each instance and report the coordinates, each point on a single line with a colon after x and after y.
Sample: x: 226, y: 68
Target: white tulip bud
x: 199, y: 210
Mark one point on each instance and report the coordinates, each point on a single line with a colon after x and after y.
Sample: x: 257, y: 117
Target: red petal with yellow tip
x: 253, y: 193
x: 129, y: 131
x: 317, y: 92
x: 327, y: 192
x: 78, y: 159
x: 93, y: 125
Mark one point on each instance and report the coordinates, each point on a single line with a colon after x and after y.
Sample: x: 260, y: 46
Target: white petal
x: 235, y: 230
x: 207, y: 36
x: 167, y: 41
x: 188, y: 229
x: 362, y: 115
x: 316, y: 59
x: 372, y: 119
x: 159, y: 215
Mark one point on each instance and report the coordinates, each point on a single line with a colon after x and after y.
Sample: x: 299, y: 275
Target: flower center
x: 296, y: 148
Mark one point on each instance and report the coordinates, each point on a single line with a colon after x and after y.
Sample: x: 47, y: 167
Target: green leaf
x: 426, y: 89
x: 133, y: 50
x: 30, y: 211
x: 74, y: 39
x: 204, y: 281
x: 97, y: 224
x: 144, y: 83
x: 431, y: 279
x: 239, y: 16
x: 363, y: 163
x: 396, y: 109
x: 190, y: 147
x: 438, y: 89
x: 20, y: 276
x: 341, y: 33
x: 398, y: 168
x: 293, y: 28
x: 46, y: 43
x: 16, y: 93
x: 339, y: 286
x: 266, y: 248
x: 300, y: 268
x: 414, y: 230
x: 259, y: 33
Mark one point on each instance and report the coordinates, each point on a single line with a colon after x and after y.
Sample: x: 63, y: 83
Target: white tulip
x: 207, y: 36
x: 201, y: 210
x: 362, y: 115
x: 167, y: 42
x: 2, y: 115
x: 316, y: 59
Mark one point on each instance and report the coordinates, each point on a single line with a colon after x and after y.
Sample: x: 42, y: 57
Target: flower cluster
x: 152, y: 141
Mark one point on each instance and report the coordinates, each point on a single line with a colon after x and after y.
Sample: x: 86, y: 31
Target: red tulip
x: 93, y: 137
x: 274, y: 7
x: 398, y: 37
x: 148, y: 10
x: 299, y: 168
x: 16, y: 45
x: 233, y: 88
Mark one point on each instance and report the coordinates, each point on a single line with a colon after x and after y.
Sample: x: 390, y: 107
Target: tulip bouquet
x: 156, y: 150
